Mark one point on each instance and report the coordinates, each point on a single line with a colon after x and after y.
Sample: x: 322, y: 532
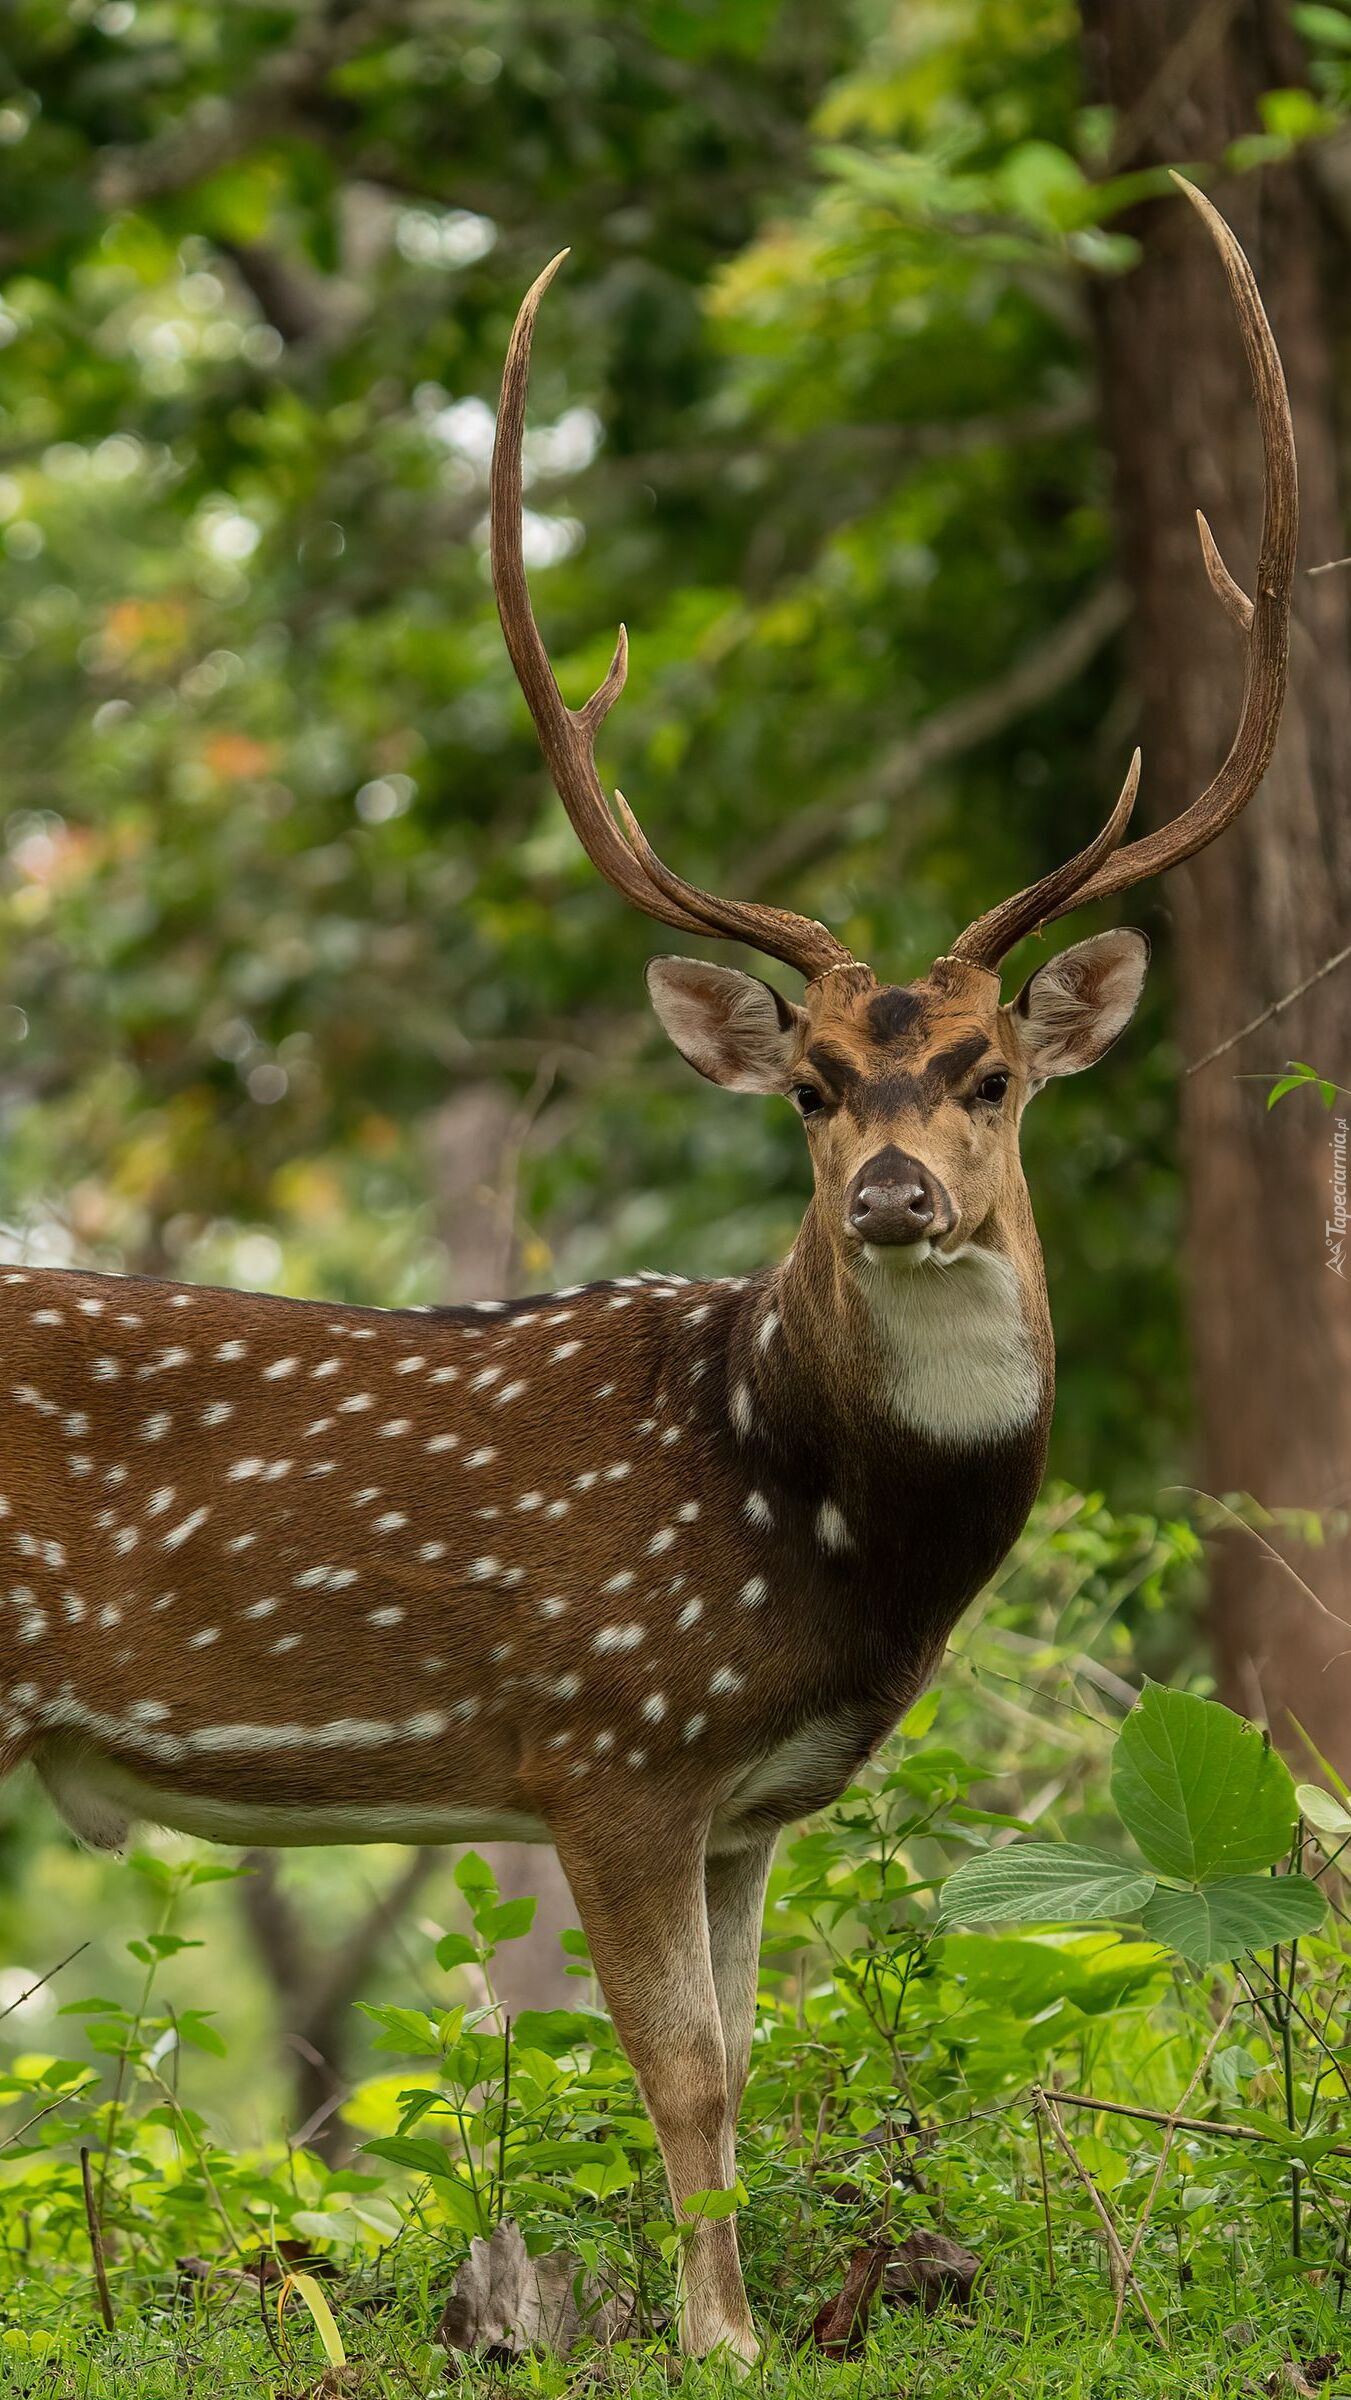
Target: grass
x: 1019, y: 2336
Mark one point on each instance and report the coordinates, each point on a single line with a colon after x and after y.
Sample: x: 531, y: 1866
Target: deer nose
x: 893, y: 1200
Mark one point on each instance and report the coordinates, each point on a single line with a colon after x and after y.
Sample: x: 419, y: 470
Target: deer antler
x: 567, y: 735
x: 1265, y: 624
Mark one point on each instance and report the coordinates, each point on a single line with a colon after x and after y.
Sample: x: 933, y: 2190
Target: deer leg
x: 735, y: 1896
x: 643, y: 1911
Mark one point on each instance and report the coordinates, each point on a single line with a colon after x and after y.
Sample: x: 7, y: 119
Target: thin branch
x: 1241, y: 1525
x: 1287, y: 1000
x: 1165, y: 2152
x: 37, y: 1987
x: 1159, y: 2116
x: 96, y: 2242
x: 62, y: 2101
x: 340, y: 1983
x: 1170, y: 83
x: 949, y: 733
x: 1120, y: 2262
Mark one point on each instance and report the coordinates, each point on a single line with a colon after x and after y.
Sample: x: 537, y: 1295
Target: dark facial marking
x: 894, y: 1011
x: 897, y: 1091
x: 836, y: 1070
x: 949, y: 1066
x: 884, y: 1097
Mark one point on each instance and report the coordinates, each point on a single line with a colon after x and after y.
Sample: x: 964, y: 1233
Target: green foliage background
x: 812, y: 411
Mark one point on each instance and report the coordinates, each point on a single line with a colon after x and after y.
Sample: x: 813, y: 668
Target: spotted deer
x: 645, y: 1568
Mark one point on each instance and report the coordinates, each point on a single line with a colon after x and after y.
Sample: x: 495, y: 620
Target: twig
x: 1159, y: 2116
x: 1045, y: 2198
x: 1170, y: 83
x: 96, y: 2242
x: 36, y: 1987
x: 1287, y: 1000
x: 1170, y: 2129
x: 77, y: 2094
x: 264, y: 2311
x: 949, y: 733
x: 1121, y: 2264
x: 1241, y: 1525
x: 1328, y: 566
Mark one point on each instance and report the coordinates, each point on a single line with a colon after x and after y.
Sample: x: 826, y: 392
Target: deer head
x: 911, y: 1095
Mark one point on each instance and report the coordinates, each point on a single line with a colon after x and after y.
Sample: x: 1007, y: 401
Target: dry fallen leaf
x: 1299, y: 2378
x: 840, y: 2325
x: 927, y: 2268
x: 503, y: 2302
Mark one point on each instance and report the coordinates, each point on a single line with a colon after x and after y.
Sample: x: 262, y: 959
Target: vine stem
x: 1165, y: 2152
x: 1126, y: 2273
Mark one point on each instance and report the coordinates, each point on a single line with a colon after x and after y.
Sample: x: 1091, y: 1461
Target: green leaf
x: 405, y: 2029
x: 414, y: 2151
x: 506, y: 1920
x: 1202, y: 1792
x: 475, y: 1879
x: 456, y: 1950
x: 1323, y: 1810
x: 195, y: 2027
x: 555, y: 2030
x: 1326, y: 28
x: 608, y: 2172
x: 715, y: 2204
x: 1243, y: 1912
x: 1044, y: 1883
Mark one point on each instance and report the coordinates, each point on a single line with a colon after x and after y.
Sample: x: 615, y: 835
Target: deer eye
x: 993, y: 1088
x: 808, y: 1098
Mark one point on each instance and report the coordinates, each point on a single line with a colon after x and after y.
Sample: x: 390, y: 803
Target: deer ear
x: 1073, y: 1008
x: 737, y: 1031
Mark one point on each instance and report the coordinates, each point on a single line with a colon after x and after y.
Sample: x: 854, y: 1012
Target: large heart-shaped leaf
x: 1237, y: 1913
x: 1044, y: 1883
x: 1202, y: 1792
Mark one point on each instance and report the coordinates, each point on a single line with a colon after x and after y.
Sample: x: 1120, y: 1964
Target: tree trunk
x: 1270, y: 902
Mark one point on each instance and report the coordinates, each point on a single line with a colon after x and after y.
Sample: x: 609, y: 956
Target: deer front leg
x: 735, y: 1898
x: 641, y: 1902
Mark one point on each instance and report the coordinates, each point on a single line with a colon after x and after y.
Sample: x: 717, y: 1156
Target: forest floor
x: 1018, y: 2335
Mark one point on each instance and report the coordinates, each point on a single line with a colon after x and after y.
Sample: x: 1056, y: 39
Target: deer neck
x: 959, y: 1356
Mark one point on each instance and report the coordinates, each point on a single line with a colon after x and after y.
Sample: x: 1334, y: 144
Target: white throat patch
x: 958, y: 1360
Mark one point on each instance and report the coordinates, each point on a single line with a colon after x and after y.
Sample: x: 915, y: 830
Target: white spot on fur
x: 831, y: 1529
x: 619, y: 1637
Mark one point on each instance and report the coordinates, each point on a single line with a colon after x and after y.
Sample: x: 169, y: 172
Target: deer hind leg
x: 641, y: 1902
x: 735, y: 1897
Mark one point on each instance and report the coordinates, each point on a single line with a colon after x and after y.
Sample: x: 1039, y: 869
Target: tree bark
x: 1266, y: 905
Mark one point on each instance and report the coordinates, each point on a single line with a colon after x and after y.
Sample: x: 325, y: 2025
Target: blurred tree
x: 1264, y: 909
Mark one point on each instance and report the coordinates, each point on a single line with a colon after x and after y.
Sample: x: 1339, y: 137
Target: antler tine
x: 993, y: 935
x: 567, y: 735
x: 1263, y: 620
x: 1231, y: 596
